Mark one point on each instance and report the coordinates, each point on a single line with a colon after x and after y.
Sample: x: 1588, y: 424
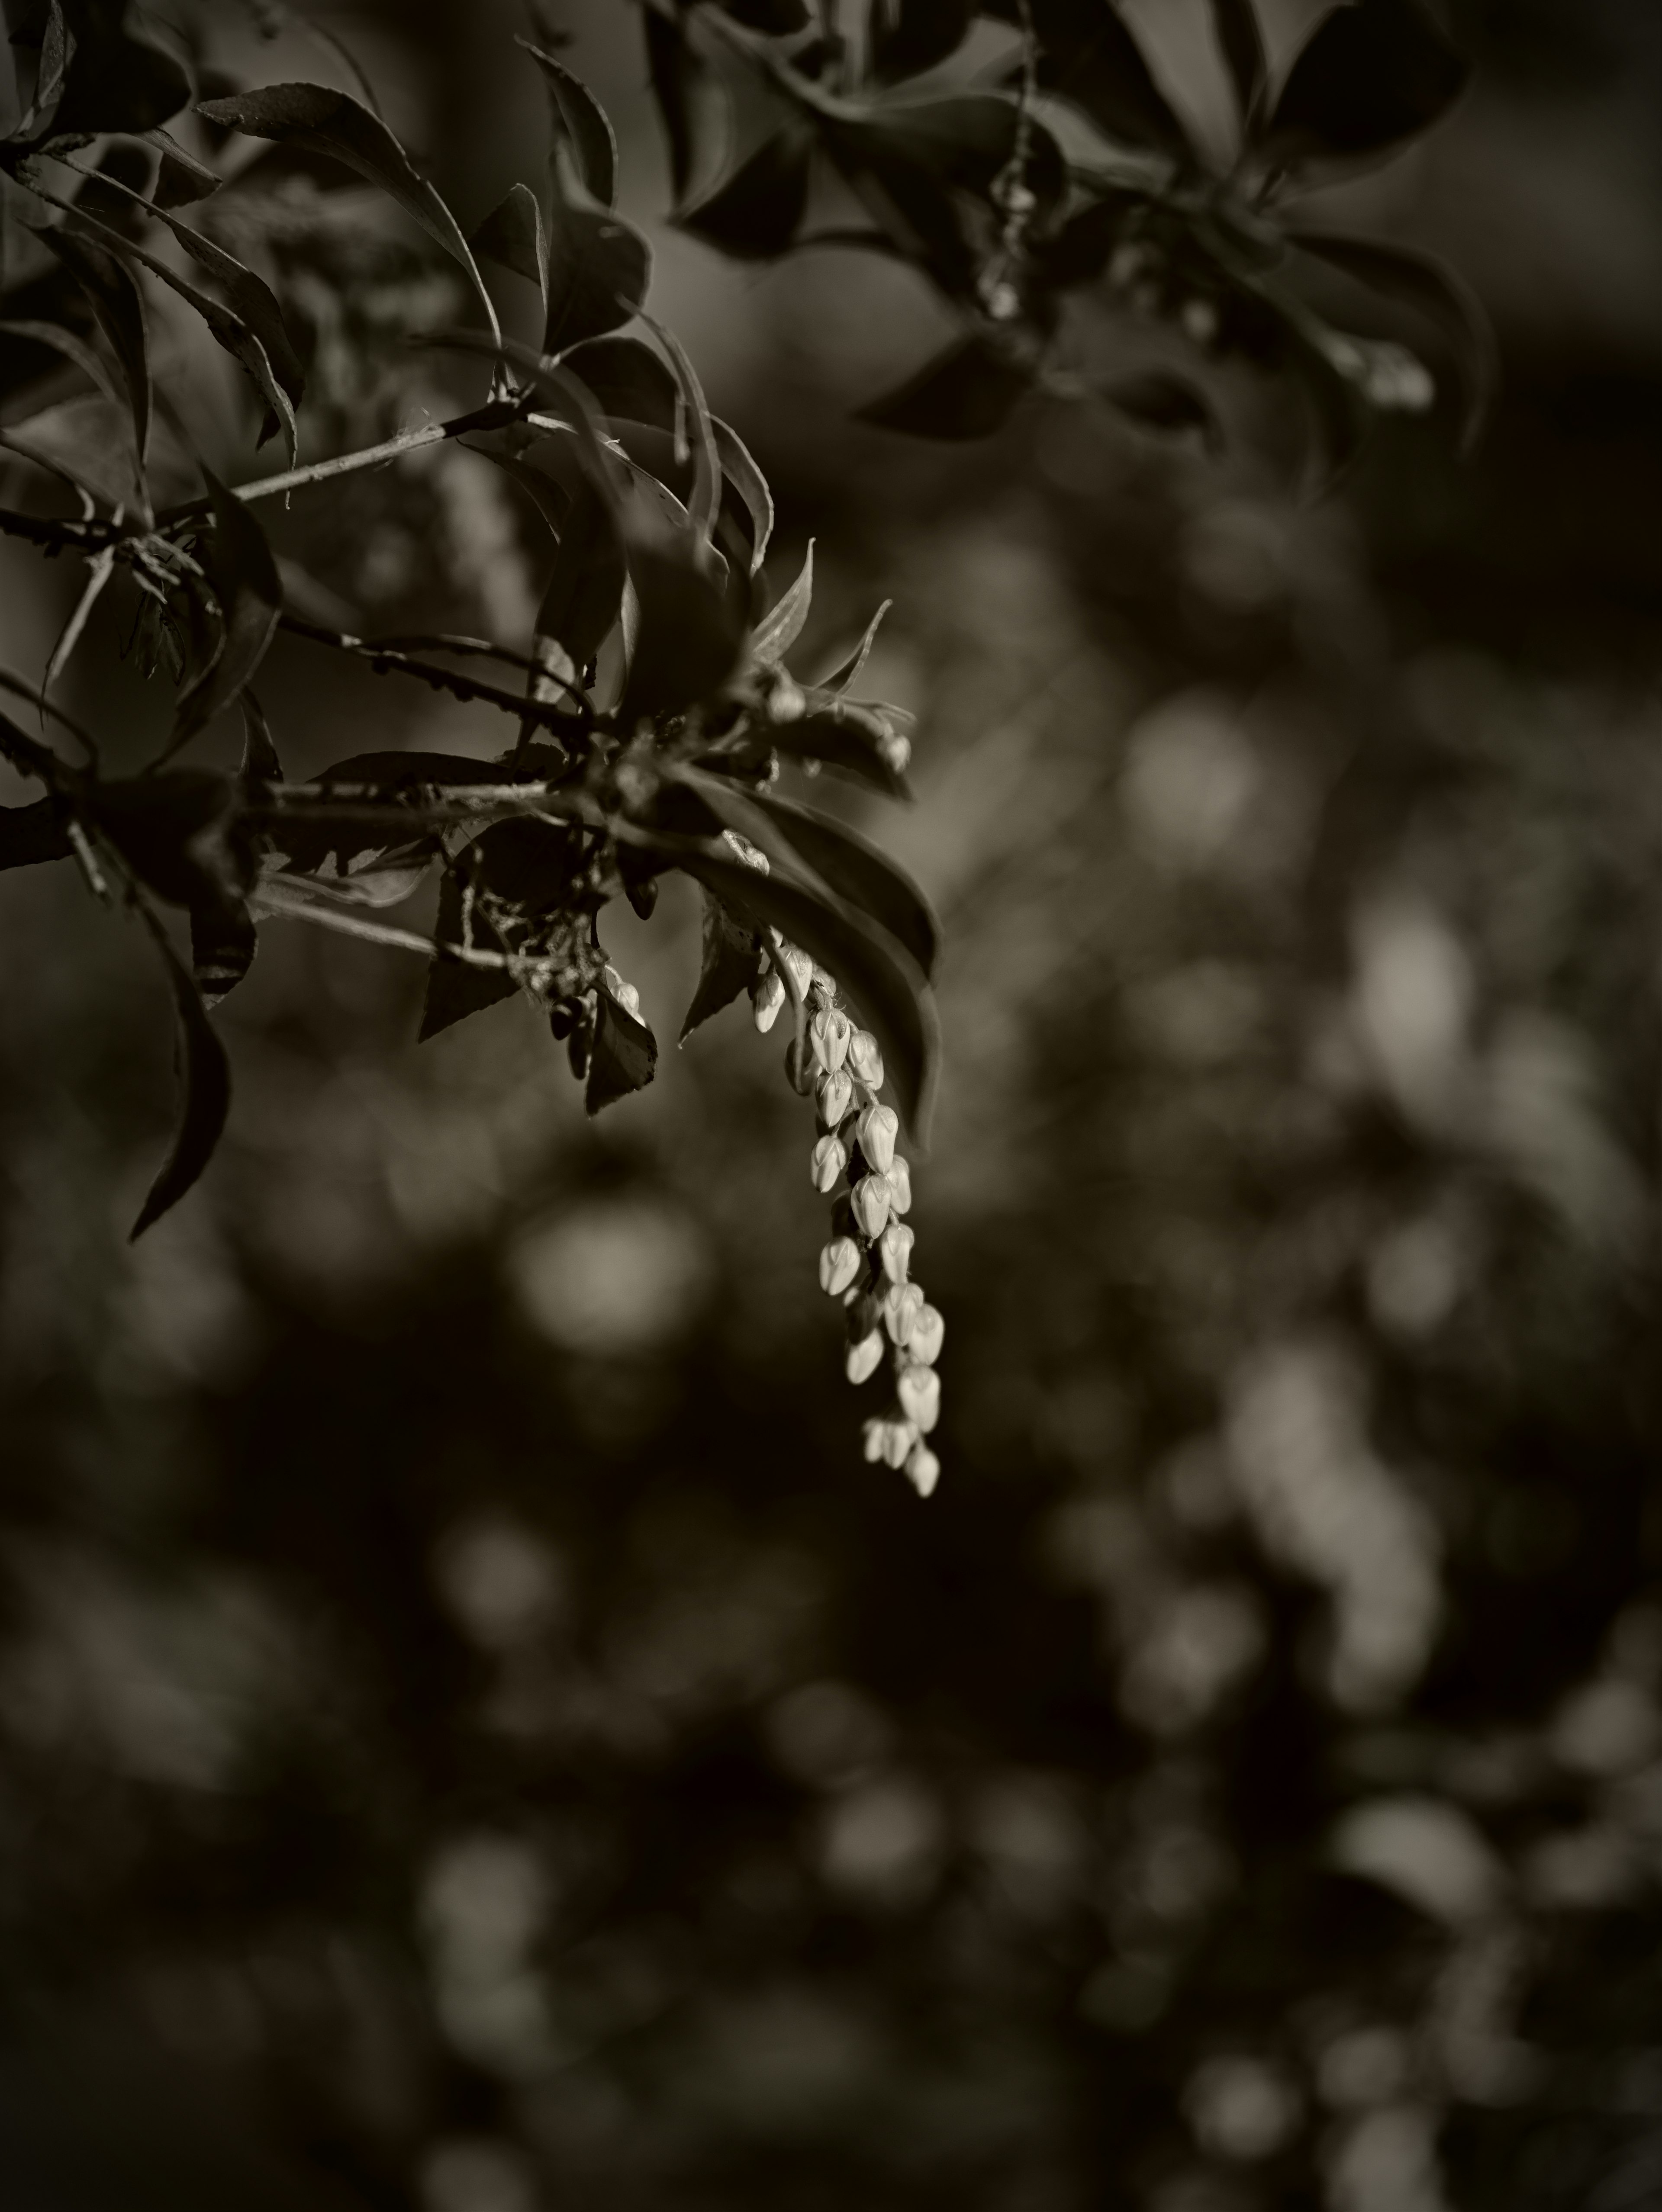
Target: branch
x: 273, y: 901
x: 385, y: 660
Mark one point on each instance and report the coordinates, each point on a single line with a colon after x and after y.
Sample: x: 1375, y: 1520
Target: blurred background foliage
x: 473, y: 1738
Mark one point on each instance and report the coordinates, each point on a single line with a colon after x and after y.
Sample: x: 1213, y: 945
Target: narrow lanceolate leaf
x: 909, y: 36
x: 689, y: 637
x: 224, y: 942
x: 970, y: 390
x: 705, y: 499
x: 57, y: 52
x: 204, y: 1077
x: 677, y: 75
x: 319, y: 120
x: 755, y: 213
x: 72, y: 349
x: 739, y: 467
x: 113, y: 296
x: 246, y: 584
x: 582, y: 124
x: 598, y: 269
x: 585, y: 590
x: 850, y: 741
x: 628, y: 382
x: 1241, y: 40
x: 32, y: 833
x: 623, y: 1058
x: 116, y: 80
x: 845, y: 678
x: 1372, y: 73
x: 180, y: 180
x: 512, y: 235
x: 260, y: 761
x: 731, y: 952
x: 896, y: 1006
x: 862, y: 875
x: 1431, y: 288
x: 779, y: 629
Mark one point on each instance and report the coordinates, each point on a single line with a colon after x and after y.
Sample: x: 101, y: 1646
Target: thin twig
x: 272, y: 901
x: 385, y: 660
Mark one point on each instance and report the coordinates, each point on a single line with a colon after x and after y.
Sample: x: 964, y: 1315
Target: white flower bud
x: 877, y: 1129
x: 828, y: 1033
x: 873, y: 1434
x: 919, y: 1393
x: 825, y: 988
x: 901, y: 1305
x: 865, y: 1059
x: 928, y: 1333
x: 861, y: 1361
x: 623, y: 994
x: 801, y: 966
x: 923, y: 1468
x: 894, y: 1249
x: 871, y: 1204
x: 895, y: 748
x: 785, y: 700
x: 836, y: 1097
x: 898, y: 1437
x: 828, y: 1161
x: 1200, y: 321
x: 839, y: 1263
x: 767, y: 999
x: 900, y: 1186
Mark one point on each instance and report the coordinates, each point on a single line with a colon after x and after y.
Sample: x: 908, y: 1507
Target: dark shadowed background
x: 473, y: 1734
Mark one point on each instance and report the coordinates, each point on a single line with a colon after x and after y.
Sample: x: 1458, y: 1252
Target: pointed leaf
x: 746, y: 479
x: 689, y: 639
x: 677, y: 74
x: 117, y: 82
x: 583, y: 123
x: 113, y: 297
x: 512, y: 236
x: 1372, y: 73
x: 1433, y: 290
x: 628, y: 380
x: 260, y: 762
x: 849, y: 740
x: 585, y: 592
x: 32, y: 833
x: 598, y: 269
x: 622, y: 1057
x: 843, y: 678
x: 245, y: 580
x: 907, y: 37
x: 205, y: 1086
x: 1240, y: 39
x: 454, y: 989
x: 862, y: 876
x: 970, y: 390
x: 731, y: 952
x: 180, y: 180
x: 224, y: 942
x: 322, y: 121
x: 777, y: 631
x: 1088, y: 56
x: 72, y: 349
x: 755, y: 212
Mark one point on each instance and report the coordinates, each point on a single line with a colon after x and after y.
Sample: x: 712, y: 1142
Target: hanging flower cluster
x: 868, y: 1261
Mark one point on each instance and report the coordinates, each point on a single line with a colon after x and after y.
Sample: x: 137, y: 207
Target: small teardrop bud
x: 836, y: 1097
x: 894, y: 1249
x: 766, y: 1000
x: 785, y: 700
x: 919, y: 1392
x: 901, y: 1306
x: 861, y: 1361
x: 923, y: 1468
x: 872, y: 1437
x: 871, y: 1205
x: 839, y: 1263
x: 898, y: 1438
x: 877, y: 1129
x: 928, y: 1333
x: 828, y: 1161
x: 900, y: 1186
x: 828, y: 1033
x: 801, y: 966
x: 865, y: 1059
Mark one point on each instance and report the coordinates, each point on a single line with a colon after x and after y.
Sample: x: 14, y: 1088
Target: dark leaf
x: 689, y: 637
x: 777, y: 19
x: 1081, y: 250
x: 906, y: 37
x: 704, y: 499
x: 224, y: 942
x: 583, y: 123
x: 117, y: 82
x: 1088, y: 56
x: 1240, y: 39
x: 1433, y: 290
x: 72, y: 349
x: 259, y: 753
x: 780, y: 629
x: 628, y: 380
x: 1339, y: 417
x: 731, y: 951
x: 512, y: 236
x: 30, y: 834
x: 897, y: 1007
x: 245, y: 583
x: 454, y: 990
x: 586, y: 590
x: 755, y: 213
x: 746, y: 479
x: 1370, y: 74
x: 676, y: 73
x: 112, y: 295
x: 180, y: 180
x: 1158, y: 400
x: 850, y: 741
x: 171, y: 831
x: 204, y: 1077
x: 319, y: 120
x: 622, y: 1057
x: 599, y: 268
x: 969, y: 390
x: 862, y: 875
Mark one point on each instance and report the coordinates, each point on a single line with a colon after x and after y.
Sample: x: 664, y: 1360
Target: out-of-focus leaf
x: 72, y: 349
x: 320, y: 120
x: 622, y: 1057
x: 741, y: 472
x: 117, y: 81
x: 780, y: 629
x: 1088, y: 56
x: 862, y: 875
x: 850, y: 741
x: 246, y: 584
x: 512, y: 235
x: 1338, y: 413
x: 260, y: 761
x: 171, y: 830
x: 629, y: 381
x: 896, y: 1006
x: 32, y: 833
x: 204, y: 1076
x: 1432, y: 289
x: 224, y: 942
x: 598, y: 269
x: 1372, y: 73
x: 57, y: 52
x: 1158, y: 400
x: 906, y: 37
x: 754, y: 214
x: 1240, y: 39
x: 112, y: 295
x: 731, y: 949
x: 180, y: 180
x: 454, y: 990
x: 583, y: 123
x: 970, y: 390
x: 1078, y: 253
x: 776, y: 18
x: 675, y: 73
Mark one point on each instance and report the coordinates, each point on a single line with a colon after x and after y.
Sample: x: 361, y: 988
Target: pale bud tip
x: 923, y: 1468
